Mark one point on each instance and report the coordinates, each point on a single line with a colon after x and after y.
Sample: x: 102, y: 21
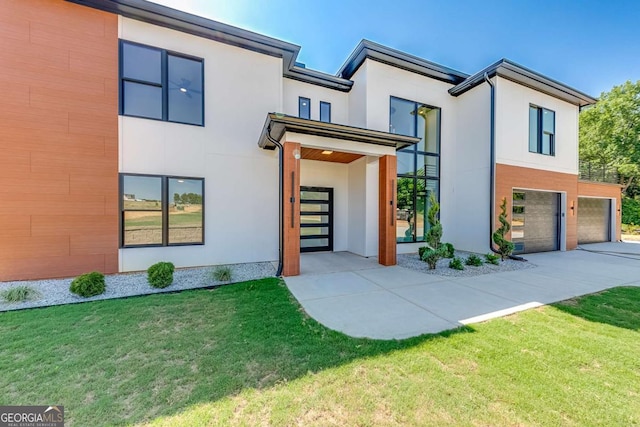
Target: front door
x: 316, y: 219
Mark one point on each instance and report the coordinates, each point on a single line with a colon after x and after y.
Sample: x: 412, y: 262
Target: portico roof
x: 276, y: 125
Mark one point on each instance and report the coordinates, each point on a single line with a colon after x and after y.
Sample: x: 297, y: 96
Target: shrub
x: 449, y: 250
x: 630, y: 211
x: 432, y: 256
x: 474, y: 260
x: 222, y: 274
x: 88, y: 285
x: 456, y: 264
x: 434, y: 234
x: 492, y: 259
x: 160, y: 274
x: 505, y: 247
x: 19, y: 294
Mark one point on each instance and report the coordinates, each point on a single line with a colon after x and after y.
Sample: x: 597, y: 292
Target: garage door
x: 594, y: 220
x: 535, y: 222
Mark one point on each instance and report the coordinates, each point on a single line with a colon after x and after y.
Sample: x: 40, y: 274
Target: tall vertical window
x: 161, y: 210
x: 418, y: 166
x: 162, y: 85
x: 542, y: 129
x: 304, y: 108
x: 325, y: 112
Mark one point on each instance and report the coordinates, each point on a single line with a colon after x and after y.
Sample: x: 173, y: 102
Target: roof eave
x: 276, y: 125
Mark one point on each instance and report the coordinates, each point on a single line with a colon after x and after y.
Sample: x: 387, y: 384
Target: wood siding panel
x: 387, y: 210
x: 291, y: 210
x: 509, y: 177
x: 59, y: 184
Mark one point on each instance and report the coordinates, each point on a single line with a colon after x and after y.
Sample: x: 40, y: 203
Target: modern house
x: 133, y: 133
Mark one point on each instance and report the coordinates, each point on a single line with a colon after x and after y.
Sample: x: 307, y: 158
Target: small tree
x: 505, y: 247
x: 435, y: 228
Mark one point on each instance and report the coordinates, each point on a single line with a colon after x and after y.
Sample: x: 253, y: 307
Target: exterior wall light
x: 296, y: 154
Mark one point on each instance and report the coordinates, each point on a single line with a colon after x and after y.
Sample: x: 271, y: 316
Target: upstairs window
x: 162, y: 85
x: 304, y: 108
x: 325, y: 112
x: 542, y: 129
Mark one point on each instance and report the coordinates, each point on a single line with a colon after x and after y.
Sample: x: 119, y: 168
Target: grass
x: 222, y: 273
x: 19, y: 293
x: 246, y: 354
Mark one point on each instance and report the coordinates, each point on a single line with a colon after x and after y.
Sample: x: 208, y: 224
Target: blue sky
x: 590, y: 45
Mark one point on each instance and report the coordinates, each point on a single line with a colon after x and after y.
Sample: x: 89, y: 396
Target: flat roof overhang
x: 277, y: 125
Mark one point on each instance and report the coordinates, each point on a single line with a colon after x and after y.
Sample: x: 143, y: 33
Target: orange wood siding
x: 387, y: 210
x: 291, y: 211
x: 509, y: 177
x: 609, y: 191
x: 58, y: 140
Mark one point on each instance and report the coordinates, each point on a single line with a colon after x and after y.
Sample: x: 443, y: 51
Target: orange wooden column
x: 387, y: 210
x: 291, y: 209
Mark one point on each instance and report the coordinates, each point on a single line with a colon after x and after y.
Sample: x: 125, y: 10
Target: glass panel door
x: 316, y: 219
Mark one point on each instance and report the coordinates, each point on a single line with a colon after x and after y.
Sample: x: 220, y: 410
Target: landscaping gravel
x: 413, y: 262
x: 56, y: 291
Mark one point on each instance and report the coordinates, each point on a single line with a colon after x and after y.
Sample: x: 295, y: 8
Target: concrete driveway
x: 361, y: 298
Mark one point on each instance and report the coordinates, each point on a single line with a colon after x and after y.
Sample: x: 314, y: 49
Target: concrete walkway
x: 361, y: 298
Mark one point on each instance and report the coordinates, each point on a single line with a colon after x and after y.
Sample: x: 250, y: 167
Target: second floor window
x: 162, y: 85
x: 325, y: 112
x: 304, y: 108
x: 542, y: 130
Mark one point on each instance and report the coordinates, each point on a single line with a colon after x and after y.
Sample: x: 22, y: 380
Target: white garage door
x: 594, y: 220
x: 535, y: 225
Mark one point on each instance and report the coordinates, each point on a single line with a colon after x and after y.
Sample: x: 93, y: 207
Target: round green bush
x: 88, y: 285
x: 160, y: 275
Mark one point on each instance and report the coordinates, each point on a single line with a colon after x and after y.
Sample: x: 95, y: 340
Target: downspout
x: 280, y: 200
x: 492, y: 174
x: 492, y: 169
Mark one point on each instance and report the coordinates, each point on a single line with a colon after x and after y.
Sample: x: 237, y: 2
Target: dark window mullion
x: 165, y: 86
x: 165, y: 211
x: 141, y: 82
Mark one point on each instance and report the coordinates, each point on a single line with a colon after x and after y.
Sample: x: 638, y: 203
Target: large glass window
x: 542, y: 129
x: 418, y: 166
x: 161, y: 85
x: 161, y: 210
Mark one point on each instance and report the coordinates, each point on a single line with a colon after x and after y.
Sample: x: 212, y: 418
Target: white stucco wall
x: 469, y: 226
x: 241, y: 180
x: 293, y: 89
x: 358, y: 98
x: 512, y: 129
x: 315, y: 173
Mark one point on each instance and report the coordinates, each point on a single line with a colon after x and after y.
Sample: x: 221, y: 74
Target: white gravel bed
x: 412, y: 262
x: 56, y: 291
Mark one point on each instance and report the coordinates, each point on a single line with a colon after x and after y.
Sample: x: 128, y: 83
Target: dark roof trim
x: 167, y: 17
x: 277, y: 124
x: 370, y: 50
x: 526, y: 77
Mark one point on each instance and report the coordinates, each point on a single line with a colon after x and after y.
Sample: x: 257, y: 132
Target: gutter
x: 492, y: 166
x: 280, y: 200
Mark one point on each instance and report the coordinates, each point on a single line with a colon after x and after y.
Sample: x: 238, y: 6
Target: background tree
x: 610, y: 134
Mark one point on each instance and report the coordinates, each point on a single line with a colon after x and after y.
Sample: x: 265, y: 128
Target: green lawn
x: 246, y: 354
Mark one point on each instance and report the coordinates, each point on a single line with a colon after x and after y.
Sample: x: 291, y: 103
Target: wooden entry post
x: 291, y: 209
x: 387, y: 210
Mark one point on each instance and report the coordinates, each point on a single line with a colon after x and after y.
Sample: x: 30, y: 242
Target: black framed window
x: 325, y: 112
x: 418, y: 166
x: 159, y: 210
x: 162, y: 85
x: 542, y: 130
x: 304, y: 108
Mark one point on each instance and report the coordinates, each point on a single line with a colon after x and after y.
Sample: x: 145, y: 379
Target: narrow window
x: 304, y: 108
x: 325, y: 112
x: 542, y: 123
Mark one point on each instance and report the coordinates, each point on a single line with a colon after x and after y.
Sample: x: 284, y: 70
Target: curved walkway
x: 361, y: 298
